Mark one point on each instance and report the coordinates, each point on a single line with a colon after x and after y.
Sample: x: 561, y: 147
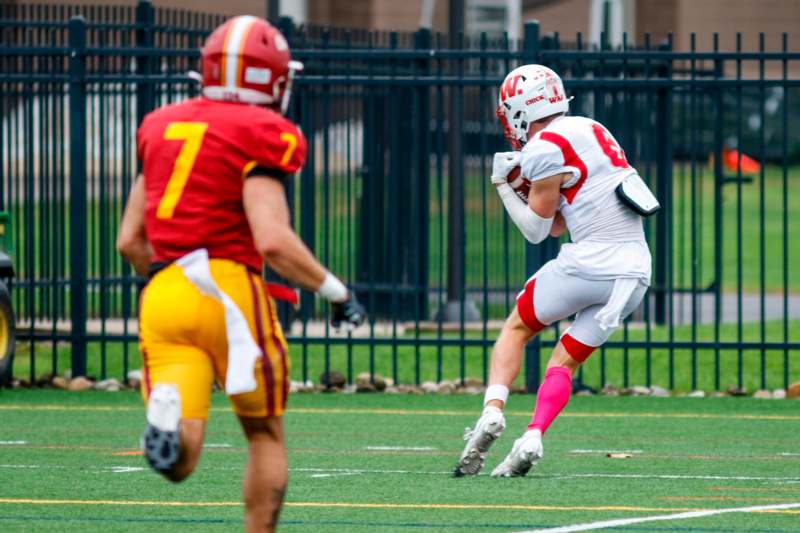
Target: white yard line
x: 122, y: 469
x: 570, y: 476
x: 366, y: 471
x: 677, y: 477
x: 605, y: 451
x: 13, y: 442
x: 662, y: 518
x: 32, y: 467
x: 401, y: 448
x: 220, y: 445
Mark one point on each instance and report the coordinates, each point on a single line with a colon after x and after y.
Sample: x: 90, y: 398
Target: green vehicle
x: 7, y: 322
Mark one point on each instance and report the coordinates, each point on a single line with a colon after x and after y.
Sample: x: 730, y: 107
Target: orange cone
x: 748, y: 164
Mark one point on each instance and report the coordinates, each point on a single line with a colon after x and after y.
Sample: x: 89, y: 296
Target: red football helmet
x: 247, y: 60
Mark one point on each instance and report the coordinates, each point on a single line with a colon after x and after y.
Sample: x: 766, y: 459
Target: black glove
x: 348, y: 314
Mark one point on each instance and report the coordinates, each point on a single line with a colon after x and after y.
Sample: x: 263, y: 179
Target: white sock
x: 496, y: 392
x: 534, y: 432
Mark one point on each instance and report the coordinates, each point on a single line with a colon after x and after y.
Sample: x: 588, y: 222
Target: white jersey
x: 608, y: 239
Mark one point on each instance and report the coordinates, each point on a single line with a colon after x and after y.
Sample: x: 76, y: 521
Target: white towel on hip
x: 609, y: 316
x: 242, y: 349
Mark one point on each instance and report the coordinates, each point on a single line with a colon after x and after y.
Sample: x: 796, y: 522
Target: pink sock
x: 553, y: 395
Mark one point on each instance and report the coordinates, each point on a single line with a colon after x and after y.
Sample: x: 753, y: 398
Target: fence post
x: 458, y: 307
x: 145, y: 91
x: 308, y: 198
x: 664, y: 188
x: 273, y: 11
x: 719, y: 181
x: 77, y: 192
x: 285, y: 310
x: 533, y: 351
x: 422, y: 41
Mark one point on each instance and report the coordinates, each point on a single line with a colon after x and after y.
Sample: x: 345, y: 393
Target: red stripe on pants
x: 526, y: 308
x: 266, y: 364
x: 576, y: 349
x: 146, y: 374
x: 276, y: 341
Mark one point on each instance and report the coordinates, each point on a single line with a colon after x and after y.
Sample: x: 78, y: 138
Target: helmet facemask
x: 294, y: 66
x: 514, y: 136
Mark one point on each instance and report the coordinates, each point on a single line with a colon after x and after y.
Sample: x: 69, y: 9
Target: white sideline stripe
x: 401, y: 448
x: 335, y: 475
x: 661, y: 518
x: 220, y: 445
x: 13, y: 442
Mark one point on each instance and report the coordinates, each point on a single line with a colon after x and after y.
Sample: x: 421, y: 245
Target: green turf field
x: 74, y: 466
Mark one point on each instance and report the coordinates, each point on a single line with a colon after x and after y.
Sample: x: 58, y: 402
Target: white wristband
x: 332, y: 289
x: 496, y: 392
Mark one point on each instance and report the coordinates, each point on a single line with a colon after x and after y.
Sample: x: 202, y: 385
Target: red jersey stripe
x: 571, y: 159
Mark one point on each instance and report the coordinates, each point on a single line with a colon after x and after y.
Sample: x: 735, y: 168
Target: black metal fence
x: 394, y: 195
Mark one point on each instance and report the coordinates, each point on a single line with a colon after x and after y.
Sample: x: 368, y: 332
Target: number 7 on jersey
x: 191, y: 133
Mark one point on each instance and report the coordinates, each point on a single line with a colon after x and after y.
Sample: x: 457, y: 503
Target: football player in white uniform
x: 579, y: 181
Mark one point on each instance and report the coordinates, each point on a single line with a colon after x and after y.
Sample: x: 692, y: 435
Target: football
x: 520, y: 185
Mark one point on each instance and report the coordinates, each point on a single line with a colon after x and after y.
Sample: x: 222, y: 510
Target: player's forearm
x: 289, y: 257
x: 276, y: 241
x: 132, y: 242
x: 138, y: 253
x: 533, y: 227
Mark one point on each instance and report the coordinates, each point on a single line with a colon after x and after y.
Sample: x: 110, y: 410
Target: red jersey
x: 195, y: 156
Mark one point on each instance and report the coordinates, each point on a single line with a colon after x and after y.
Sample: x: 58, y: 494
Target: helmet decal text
x: 509, y: 88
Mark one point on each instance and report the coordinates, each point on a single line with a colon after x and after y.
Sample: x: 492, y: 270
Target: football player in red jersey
x: 207, y: 211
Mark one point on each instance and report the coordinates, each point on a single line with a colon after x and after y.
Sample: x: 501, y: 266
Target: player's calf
x: 266, y: 473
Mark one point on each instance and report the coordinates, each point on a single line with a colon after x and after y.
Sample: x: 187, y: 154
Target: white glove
x: 504, y: 163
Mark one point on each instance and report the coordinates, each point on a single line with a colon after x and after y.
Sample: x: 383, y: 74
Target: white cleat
x: 489, y: 427
x: 525, y: 453
x: 161, y: 439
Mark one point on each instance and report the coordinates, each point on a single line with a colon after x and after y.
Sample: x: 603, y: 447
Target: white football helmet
x: 529, y: 93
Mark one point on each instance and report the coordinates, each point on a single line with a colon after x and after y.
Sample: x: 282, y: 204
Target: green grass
x: 693, y: 229
x: 602, y: 367
x: 72, y: 438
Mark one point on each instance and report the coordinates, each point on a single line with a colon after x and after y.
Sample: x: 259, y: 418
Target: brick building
x: 590, y: 17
